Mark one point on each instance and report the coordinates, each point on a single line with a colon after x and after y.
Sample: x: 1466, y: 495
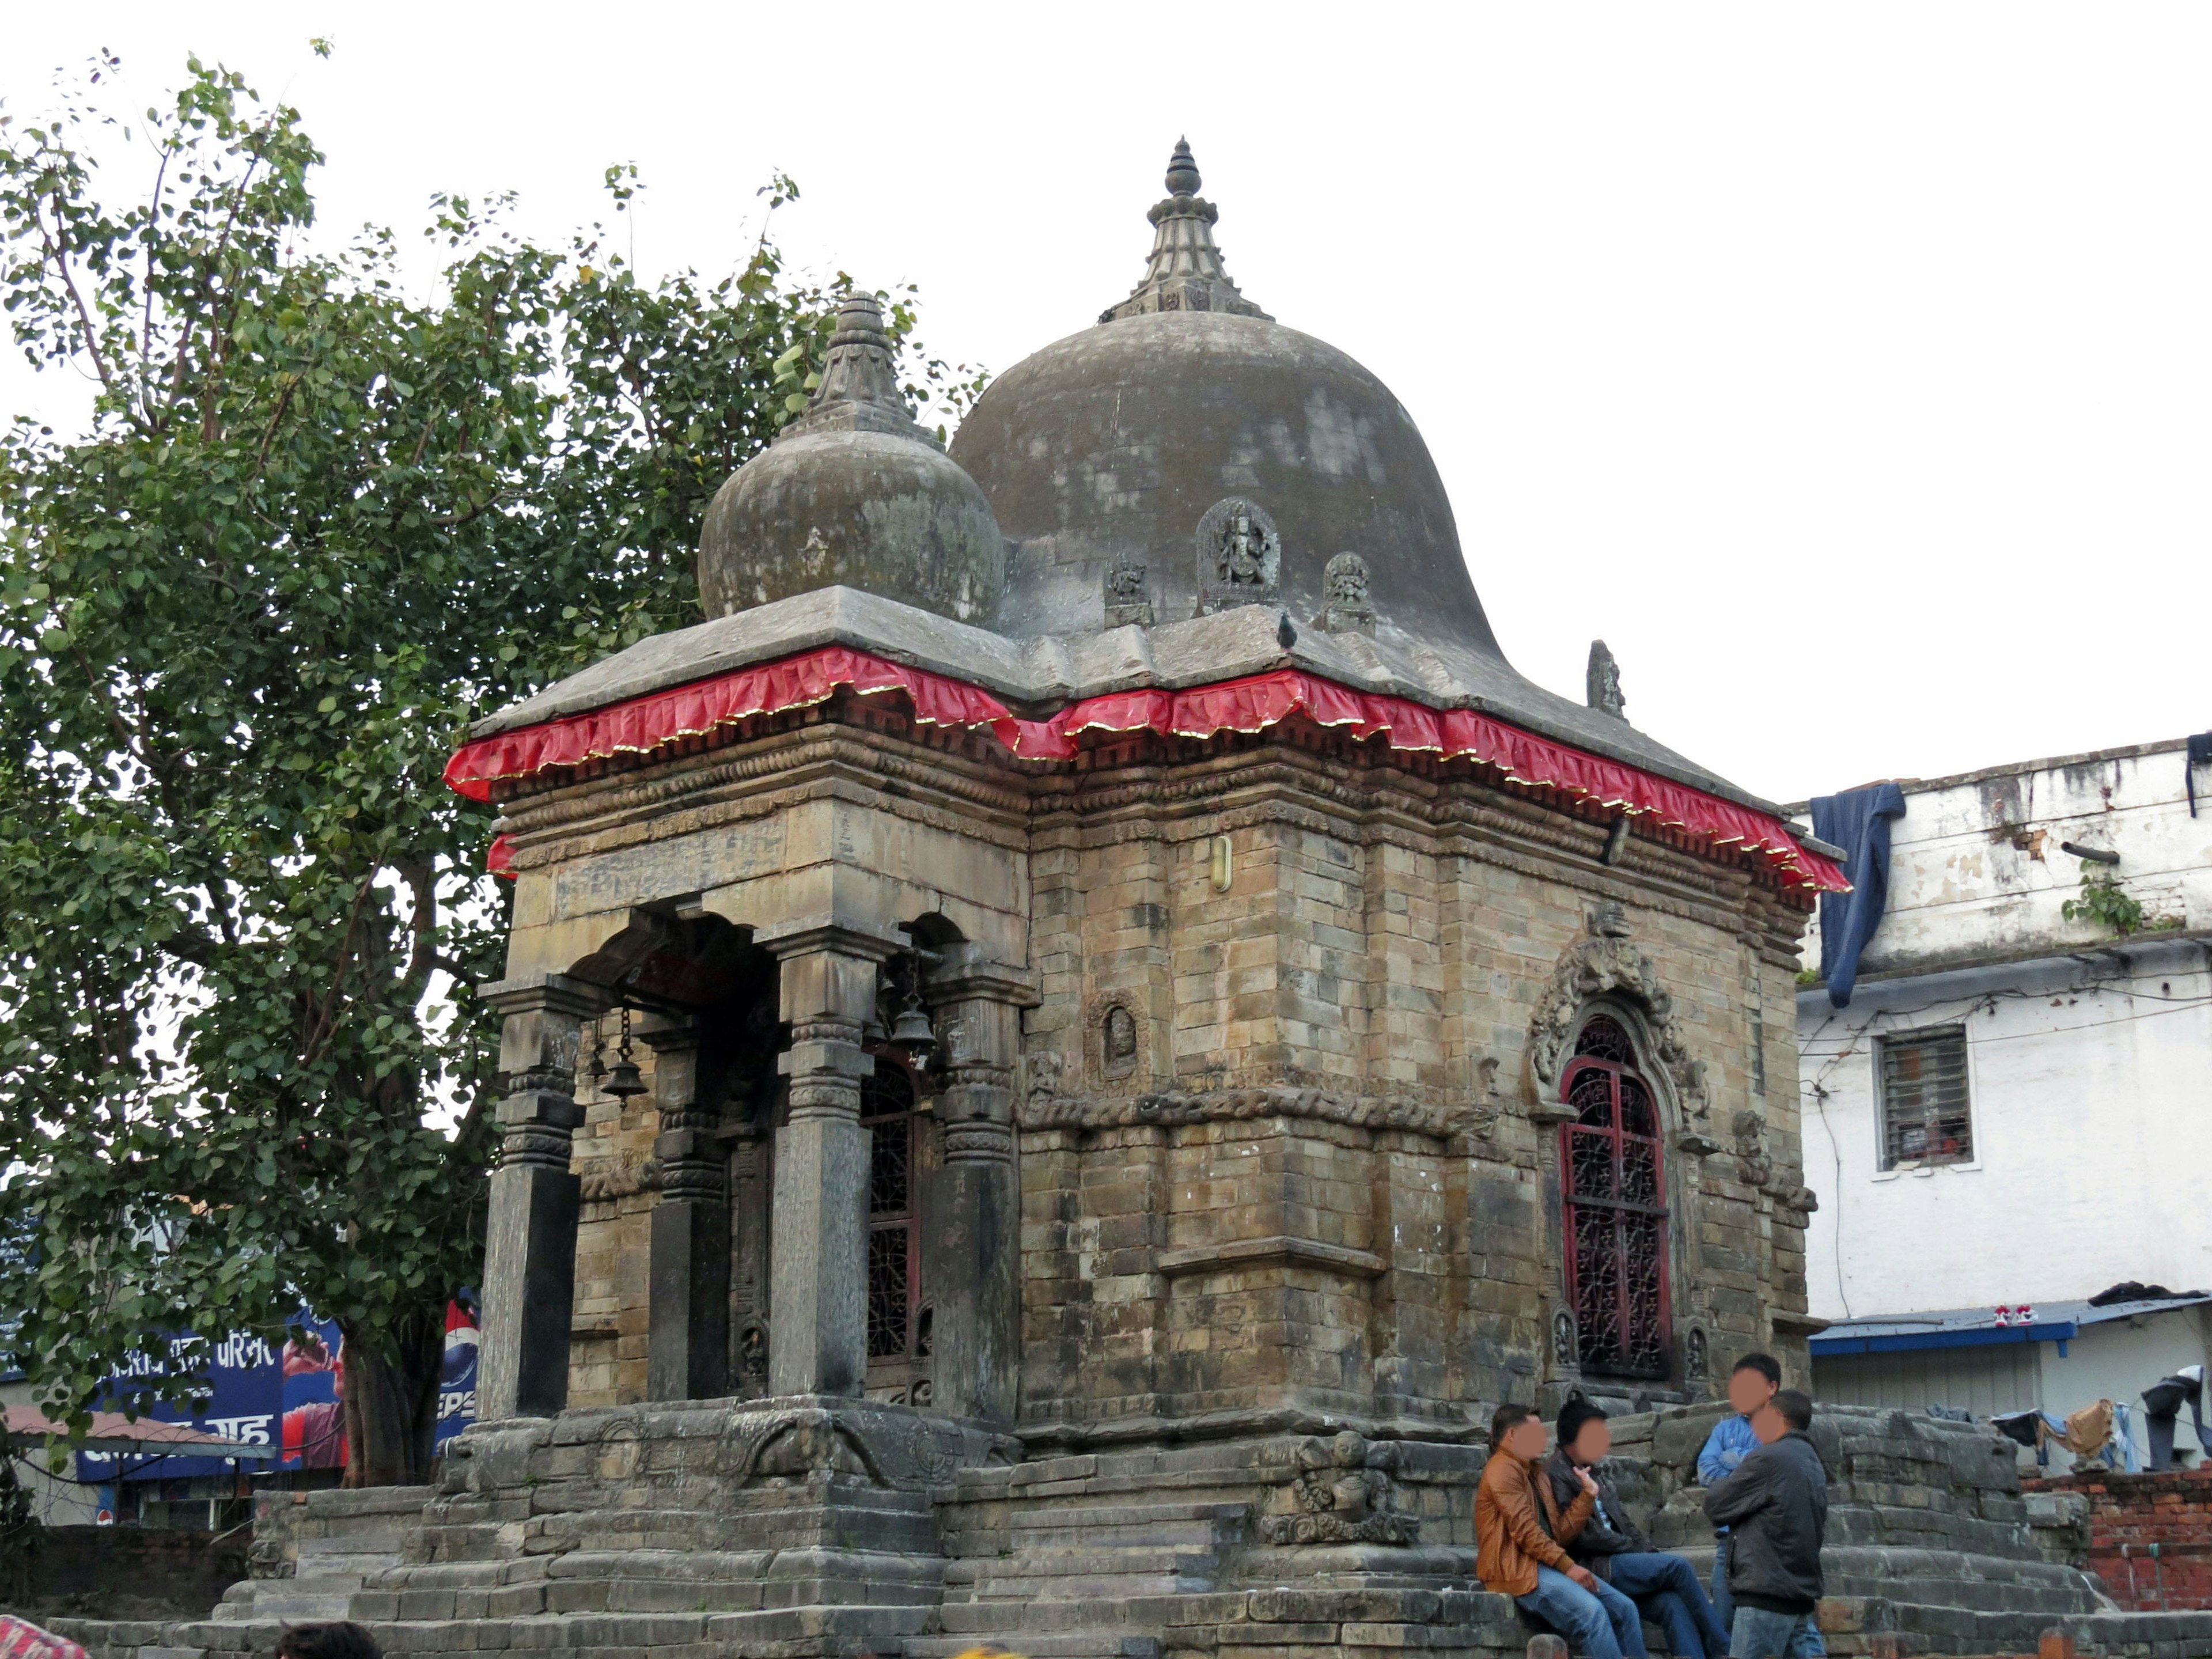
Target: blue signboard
x: 293, y: 1397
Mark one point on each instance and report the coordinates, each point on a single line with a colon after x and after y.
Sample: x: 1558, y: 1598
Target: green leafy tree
x: 313, y: 527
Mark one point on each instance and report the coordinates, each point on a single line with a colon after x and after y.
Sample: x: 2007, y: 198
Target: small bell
x: 624, y: 1080
x: 912, y: 1034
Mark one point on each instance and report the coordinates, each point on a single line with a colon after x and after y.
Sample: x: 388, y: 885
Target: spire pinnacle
x: 860, y: 389
x: 1185, y: 272
x: 1182, y: 171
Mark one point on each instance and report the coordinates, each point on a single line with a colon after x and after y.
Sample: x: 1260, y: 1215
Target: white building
x: 2016, y: 1106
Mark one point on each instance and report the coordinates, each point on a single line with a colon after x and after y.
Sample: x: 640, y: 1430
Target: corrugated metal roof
x: 1985, y: 1319
x: 1967, y: 1328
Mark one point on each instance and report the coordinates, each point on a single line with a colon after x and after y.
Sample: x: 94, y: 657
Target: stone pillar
x: 530, y: 1244
x: 688, y: 1274
x: 971, y: 1252
x: 818, y: 1228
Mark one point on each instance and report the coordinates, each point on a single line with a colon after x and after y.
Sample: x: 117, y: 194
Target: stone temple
x: 1068, y: 1044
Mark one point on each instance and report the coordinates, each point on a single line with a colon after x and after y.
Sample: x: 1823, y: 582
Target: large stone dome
x: 854, y: 492
x: 1144, y: 440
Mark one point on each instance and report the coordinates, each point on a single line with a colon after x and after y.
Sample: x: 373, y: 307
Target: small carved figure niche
x: 1117, y: 1043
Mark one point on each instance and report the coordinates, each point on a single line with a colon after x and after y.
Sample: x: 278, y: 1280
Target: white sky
x: 1845, y: 367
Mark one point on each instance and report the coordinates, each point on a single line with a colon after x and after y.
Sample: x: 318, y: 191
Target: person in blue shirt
x: 1752, y: 1385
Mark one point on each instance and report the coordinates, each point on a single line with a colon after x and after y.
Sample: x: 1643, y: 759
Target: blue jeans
x: 1809, y: 1645
x: 1603, y: 1626
x: 1666, y: 1588
x: 1758, y: 1634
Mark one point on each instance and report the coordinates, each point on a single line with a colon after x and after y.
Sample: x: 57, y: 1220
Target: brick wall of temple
x: 2150, y: 1536
x: 1374, y: 950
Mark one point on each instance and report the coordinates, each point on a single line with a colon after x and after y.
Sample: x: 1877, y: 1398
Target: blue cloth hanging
x: 1858, y: 822
x: 2200, y: 754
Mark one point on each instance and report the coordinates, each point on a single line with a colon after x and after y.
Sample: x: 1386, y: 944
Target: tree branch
x: 54, y: 251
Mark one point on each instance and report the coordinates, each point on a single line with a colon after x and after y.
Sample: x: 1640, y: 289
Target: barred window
x: 1925, y: 1110
x: 1616, y: 1208
x: 887, y: 1107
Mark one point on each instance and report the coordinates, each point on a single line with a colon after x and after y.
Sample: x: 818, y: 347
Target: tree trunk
x: 392, y: 1402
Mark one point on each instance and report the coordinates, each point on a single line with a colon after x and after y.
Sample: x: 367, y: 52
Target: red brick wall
x: 2131, y: 1515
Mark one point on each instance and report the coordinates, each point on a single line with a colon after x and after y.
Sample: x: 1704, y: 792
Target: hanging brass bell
x: 912, y: 1034
x: 624, y: 1080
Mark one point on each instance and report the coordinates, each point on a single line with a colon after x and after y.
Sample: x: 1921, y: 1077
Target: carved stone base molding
x: 1339, y: 1490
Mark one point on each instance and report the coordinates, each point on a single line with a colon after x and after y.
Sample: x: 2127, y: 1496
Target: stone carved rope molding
x: 1607, y: 964
x: 1042, y: 1108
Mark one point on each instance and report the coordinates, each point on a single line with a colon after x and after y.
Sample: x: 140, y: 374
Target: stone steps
x: 1062, y: 1644
x: 1927, y: 1628
x: 319, y: 1595
x: 1069, y: 1584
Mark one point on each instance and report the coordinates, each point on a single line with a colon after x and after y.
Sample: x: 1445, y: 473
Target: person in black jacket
x: 1776, y: 1506
x: 1664, y: 1588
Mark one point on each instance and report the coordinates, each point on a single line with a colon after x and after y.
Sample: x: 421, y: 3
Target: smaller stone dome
x: 854, y: 492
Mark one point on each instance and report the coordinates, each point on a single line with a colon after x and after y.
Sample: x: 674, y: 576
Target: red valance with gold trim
x: 643, y: 725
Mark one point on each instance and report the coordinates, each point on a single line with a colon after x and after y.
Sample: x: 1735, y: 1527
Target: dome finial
x: 1182, y: 171
x: 860, y: 387
x: 1185, y: 272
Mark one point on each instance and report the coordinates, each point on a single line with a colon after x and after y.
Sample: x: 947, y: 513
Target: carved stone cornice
x: 773, y: 761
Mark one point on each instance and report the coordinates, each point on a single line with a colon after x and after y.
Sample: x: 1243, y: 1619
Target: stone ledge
x: 1279, y: 1250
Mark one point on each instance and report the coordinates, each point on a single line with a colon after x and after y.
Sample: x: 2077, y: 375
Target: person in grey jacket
x: 1776, y: 1506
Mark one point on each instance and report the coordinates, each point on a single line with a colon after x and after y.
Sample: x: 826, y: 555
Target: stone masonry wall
x: 2149, y: 1536
x: 1333, y: 1049
x: 1277, y: 1143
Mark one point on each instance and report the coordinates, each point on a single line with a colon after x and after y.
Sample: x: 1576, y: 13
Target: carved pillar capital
x: 538, y: 1047
x: 978, y: 1005
x: 690, y: 1161
x: 826, y: 985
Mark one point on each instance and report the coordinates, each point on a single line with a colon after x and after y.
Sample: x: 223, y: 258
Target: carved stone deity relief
x: 1240, y: 557
x: 1344, y: 586
x: 1117, y: 1040
x: 1128, y: 602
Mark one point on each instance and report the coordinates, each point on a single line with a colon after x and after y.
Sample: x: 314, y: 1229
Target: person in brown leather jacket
x: 1521, y: 1534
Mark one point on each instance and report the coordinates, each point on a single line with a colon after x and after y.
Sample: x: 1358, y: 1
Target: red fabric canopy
x: 644, y: 724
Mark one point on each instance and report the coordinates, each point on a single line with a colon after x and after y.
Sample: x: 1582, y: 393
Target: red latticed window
x: 1616, y: 1205
x: 887, y: 1102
